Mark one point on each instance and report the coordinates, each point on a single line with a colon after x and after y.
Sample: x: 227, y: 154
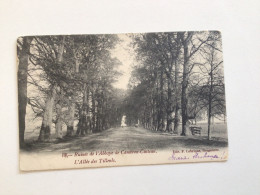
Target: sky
x: 125, y: 53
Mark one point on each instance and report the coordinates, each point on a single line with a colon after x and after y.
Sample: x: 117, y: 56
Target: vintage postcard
x: 121, y: 99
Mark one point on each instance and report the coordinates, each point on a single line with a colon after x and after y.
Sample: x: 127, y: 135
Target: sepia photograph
x: 102, y: 100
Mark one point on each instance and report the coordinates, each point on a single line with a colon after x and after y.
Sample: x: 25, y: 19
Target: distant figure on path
x: 123, y: 122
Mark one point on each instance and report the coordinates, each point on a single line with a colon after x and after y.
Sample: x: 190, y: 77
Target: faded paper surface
x: 32, y: 162
x: 122, y: 99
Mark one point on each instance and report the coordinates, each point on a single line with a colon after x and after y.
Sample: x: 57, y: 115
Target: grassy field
x: 218, y: 130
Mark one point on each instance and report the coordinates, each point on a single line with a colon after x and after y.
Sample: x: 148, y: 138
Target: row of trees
x: 177, y: 77
x: 66, y: 79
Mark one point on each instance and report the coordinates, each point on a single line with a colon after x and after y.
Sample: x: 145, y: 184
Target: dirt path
x: 129, y: 138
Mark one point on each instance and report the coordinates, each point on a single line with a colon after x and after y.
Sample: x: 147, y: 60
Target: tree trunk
x: 79, y: 123
x: 169, y: 107
x: 45, y: 131
x: 154, y: 113
x: 176, y: 97
x: 58, y: 125
x: 210, y: 102
x: 82, y: 126
x: 88, y: 123
x: 85, y: 123
x: 98, y: 117
x: 93, y: 109
x: 160, y: 115
x: 184, y: 100
x: 22, y: 86
x: 70, y: 127
x: 209, y: 124
x: 184, y: 91
x: 176, y: 119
